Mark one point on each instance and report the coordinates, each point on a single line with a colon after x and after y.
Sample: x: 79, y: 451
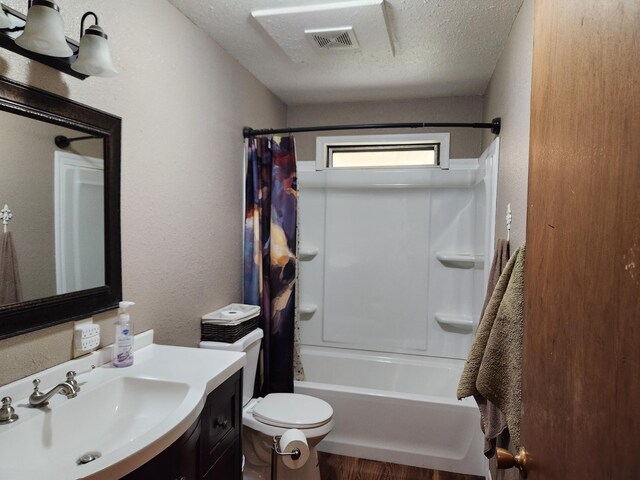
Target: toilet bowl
x: 265, y: 418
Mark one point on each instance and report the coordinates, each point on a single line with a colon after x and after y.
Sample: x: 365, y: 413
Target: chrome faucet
x: 69, y: 387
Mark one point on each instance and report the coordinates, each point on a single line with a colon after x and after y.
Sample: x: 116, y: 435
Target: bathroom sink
x: 121, y: 417
x: 96, y: 422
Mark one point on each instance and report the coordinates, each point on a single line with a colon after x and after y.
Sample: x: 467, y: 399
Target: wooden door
x: 581, y: 364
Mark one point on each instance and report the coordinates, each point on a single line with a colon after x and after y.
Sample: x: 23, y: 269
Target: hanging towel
x: 492, y: 420
x: 10, y: 287
x: 493, y: 369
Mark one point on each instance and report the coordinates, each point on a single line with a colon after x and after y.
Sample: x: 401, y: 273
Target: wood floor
x: 337, y: 467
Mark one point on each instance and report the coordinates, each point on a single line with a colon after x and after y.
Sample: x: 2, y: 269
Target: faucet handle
x: 71, y: 378
x: 36, y: 384
x: 7, y: 412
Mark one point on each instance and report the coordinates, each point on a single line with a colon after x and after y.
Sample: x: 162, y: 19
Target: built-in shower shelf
x: 455, y: 320
x: 308, y: 309
x: 307, y: 253
x: 460, y: 260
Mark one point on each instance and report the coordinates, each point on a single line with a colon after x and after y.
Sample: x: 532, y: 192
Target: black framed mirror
x: 65, y: 225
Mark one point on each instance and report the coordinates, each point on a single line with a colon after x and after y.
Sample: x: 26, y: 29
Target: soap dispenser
x: 123, y: 344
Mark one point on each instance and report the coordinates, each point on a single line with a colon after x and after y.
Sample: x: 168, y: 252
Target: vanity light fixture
x: 94, y: 57
x: 44, y: 30
x: 39, y: 35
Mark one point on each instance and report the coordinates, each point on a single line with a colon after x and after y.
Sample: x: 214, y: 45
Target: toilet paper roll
x: 291, y: 440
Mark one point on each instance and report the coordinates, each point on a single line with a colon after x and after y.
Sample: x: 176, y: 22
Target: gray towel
x: 493, y: 369
x: 10, y: 287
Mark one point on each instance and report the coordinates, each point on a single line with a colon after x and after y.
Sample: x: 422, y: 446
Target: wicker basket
x: 211, y: 332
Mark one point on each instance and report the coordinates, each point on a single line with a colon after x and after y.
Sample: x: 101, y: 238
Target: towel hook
x: 6, y: 216
x: 508, y: 218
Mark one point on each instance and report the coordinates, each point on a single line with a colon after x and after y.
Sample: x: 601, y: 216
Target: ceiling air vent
x: 332, y: 38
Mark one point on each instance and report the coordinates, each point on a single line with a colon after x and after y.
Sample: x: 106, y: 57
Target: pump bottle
x: 123, y: 344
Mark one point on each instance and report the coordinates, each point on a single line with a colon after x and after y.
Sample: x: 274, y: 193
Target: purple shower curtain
x: 270, y: 254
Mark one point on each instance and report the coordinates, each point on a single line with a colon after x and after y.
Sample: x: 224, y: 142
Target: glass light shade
x: 94, y: 57
x: 44, y: 31
x: 5, y: 21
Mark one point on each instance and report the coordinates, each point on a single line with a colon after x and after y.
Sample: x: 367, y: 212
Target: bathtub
x: 395, y: 408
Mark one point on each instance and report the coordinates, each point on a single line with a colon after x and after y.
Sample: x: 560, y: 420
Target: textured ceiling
x: 442, y: 48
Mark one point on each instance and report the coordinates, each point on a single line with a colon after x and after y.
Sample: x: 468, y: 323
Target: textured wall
x: 183, y: 102
x: 509, y: 96
x: 26, y: 186
x: 464, y: 142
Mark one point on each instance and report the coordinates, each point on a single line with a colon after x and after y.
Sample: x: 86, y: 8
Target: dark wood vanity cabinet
x: 211, y: 448
x: 220, y: 437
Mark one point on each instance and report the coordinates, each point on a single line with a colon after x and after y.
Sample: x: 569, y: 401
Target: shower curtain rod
x: 63, y: 142
x: 250, y: 132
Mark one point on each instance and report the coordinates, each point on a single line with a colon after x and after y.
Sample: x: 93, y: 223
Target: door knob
x: 507, y: 460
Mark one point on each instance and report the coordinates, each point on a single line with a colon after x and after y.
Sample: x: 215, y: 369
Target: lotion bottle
x: 123, y: 344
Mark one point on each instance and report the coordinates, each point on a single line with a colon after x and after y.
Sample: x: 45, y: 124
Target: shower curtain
x: 270, y: 264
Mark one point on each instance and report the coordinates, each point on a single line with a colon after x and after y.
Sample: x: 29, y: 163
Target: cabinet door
x: 227, y: 467
x: 221, y: 443
x: 161, y: 467
x: 186, y: 456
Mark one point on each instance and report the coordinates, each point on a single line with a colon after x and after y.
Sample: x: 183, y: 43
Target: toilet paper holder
x: 275, y: 452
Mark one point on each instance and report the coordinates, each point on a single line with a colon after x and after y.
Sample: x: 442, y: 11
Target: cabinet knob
x: 221, y: 423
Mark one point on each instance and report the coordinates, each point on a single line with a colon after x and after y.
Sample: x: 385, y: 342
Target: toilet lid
x: 292, y: 410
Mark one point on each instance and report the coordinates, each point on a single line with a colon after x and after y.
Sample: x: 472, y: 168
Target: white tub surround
x: 127, y: 414
x: 396, y: 260
x: 395, y: 408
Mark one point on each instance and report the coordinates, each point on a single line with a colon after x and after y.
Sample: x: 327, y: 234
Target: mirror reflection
x: 54, y: 239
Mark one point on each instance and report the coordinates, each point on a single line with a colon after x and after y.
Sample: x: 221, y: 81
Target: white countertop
x: 200, y: 370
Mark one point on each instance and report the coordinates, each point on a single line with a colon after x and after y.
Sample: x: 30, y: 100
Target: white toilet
x: 264, y: 418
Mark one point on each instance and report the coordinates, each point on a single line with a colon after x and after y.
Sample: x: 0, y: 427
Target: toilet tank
x: 249, y: 344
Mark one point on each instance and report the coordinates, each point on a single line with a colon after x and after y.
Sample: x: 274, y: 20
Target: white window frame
x: 323, y: 145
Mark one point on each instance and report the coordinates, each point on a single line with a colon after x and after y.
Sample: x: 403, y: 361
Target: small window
x: 407, y: 150
x: 376, y: 156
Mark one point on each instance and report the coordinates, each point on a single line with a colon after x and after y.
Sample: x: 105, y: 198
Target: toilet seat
x: 292, y: 410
